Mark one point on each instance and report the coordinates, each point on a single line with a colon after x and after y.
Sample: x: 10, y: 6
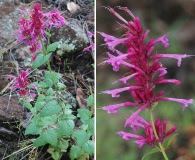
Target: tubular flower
x: 149, y: 137
x: 143, y: 66
x: 32, y: 26
x: 21, y: 83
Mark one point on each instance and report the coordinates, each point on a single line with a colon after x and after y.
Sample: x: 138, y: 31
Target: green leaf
x: 89, y: 147
x: 50, y: 92
x: 84, y: 156
x: 40, y: 60
x: 90, y: 123
x: 60, y: 86
x: 75, y: 152
x: 90, y: 100
x: 84, y: 114
x: 55, y: 155
x: 39, y: 105
x: 33, y: 128
x: 42, y: 85
x: 66, y: 127
x: 51, y: 108
x: 168, y: 141
x: 52, y: 47
x: 51, y: 78
x: 63, y: 145
x: 50, y: 136
x: 81, y: 137
x: 27, y: 105
x: 48, y: 121
x: 152, y: 151
x: 40, y: 98
x: 39, y: 142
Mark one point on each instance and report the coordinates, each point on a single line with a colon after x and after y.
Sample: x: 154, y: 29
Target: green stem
x: 155, y: 133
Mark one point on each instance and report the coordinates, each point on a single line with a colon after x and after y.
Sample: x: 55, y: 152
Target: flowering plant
x: 52, y: 122
x: 142, y: 65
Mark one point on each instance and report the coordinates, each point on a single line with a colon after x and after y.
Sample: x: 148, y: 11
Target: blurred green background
x: 177, y: 18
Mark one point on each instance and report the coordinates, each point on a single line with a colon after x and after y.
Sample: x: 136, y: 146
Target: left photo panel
x: 47, y: 72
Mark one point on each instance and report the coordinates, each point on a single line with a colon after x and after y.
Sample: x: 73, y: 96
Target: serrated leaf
x: 66, y: 127
x: 51, y: 78
x: 60, y: 86
x: 42, y: 85
x: 88, y: 147
x: 50, y: 136
x: 90, y: 100
x: 75, y: 152
x: 51, y: 108
x: 81, y: 137
x: 39, y: 105
x: 152, y: 151
x: 55, y: 155
x: 50, y: 92
x: 168, y: 141
x: 40, y: 60
x: 52, y: 47
x: 47, y: 121
x: 40, y: 98
x: 90, y: 123
x: 84, y: 156
x: 84, y: 114
x: 39, y: 142
x: 33, y: 128
x: 63, y: 145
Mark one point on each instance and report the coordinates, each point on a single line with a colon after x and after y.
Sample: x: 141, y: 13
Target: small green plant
x: 53, y: 121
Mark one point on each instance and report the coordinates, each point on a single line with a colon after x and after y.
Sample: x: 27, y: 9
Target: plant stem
x: 155, y: 133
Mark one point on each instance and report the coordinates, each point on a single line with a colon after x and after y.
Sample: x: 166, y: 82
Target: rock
x: 72, y: 37
x: 10, y: 109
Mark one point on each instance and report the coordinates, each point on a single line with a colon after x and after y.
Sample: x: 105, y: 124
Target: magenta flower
x: 32, y: 26
x: 142, y: 64
x: 149, y: 137
x: 21, y: 83
x: 54, y: 18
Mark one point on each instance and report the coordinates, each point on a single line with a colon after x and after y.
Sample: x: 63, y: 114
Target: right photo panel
x: 145, y: 80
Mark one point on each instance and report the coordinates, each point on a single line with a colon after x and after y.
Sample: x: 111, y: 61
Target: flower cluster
x: 32, y: 26
x: 22, y: 83
x: 150, y: 138
x: 143, y: 65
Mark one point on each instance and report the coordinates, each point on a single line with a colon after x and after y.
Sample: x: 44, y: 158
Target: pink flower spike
x: 115, y: 92
x: 114, y: 107
x: 175, y: 56
x: 182, y: 101
x: 162, y: 39
x: 134, y: 115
